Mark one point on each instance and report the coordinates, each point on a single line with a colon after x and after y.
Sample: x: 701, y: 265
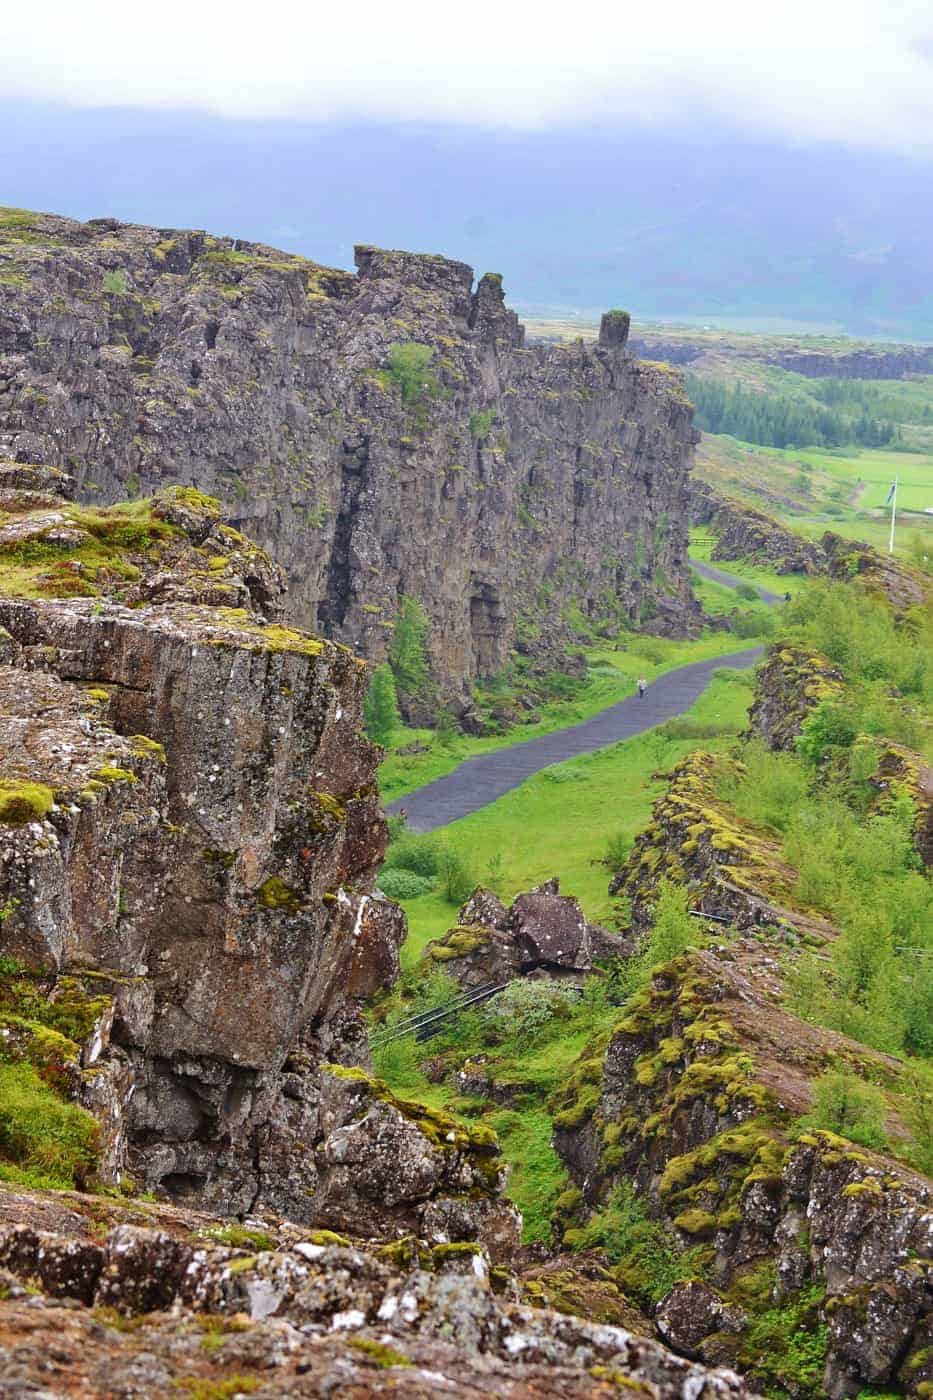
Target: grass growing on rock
x: 44, y: 1142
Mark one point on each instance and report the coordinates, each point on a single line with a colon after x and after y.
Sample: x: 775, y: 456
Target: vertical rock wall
x: 521, y: 480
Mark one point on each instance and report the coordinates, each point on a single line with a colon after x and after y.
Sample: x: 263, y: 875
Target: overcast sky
x: 854, y: 71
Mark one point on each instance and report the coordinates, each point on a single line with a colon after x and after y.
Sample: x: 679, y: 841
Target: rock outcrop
x: 731, y: 873
x: 544, y: 933
x: 901, y: 586
x: 810, y: 1257
x: 813, y: 362
x: 791, y: 682
x: 903, y: 773
x: 189, y: 833
x: 496, y: 483
x: 169, y: 1307
x: 742, y: 532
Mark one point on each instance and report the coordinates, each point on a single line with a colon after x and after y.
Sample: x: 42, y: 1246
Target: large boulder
x: 544, y: 933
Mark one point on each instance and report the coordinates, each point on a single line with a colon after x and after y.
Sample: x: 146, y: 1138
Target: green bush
x: 528, y: 1005
x: 481, y: 422
x: 672, y: 932
x: 832, y: 725
x: 408, y: 650
x: 116, y: 283
x: 770, y: 790
x: 617, y: 850
x: 847, y: 1105
x: 748, y: 592
x: 410, y: 370
x: 752, y: 623
x: 859, y: 633
x: 51, y: 1142
x: 784, y: 1347
x: 421, y: 854
x: 403, y: 884
x: 644, y: 1251
x: 458, y: 877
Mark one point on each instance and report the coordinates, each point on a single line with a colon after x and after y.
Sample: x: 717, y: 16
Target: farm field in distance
x: 810, y: 488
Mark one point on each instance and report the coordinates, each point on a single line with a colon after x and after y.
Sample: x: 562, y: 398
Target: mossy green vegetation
x: 377, y: 1352
x: 22, y: 802
x: 44, y: 1141
x: 784, y: 1347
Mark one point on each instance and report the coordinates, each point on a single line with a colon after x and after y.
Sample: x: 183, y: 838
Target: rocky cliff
x: 189, y: 831
x: 496, y: 483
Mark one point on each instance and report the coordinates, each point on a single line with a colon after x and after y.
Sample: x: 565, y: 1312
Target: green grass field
x: 559, y: 821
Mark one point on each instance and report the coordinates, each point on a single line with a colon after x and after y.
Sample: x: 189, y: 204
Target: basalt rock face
x: 511, y: 482
x: 189, y: 833
x: 700, y: 1082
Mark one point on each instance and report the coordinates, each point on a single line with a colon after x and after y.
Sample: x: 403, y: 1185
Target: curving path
x: 731, y: 581
x: 479, y: 781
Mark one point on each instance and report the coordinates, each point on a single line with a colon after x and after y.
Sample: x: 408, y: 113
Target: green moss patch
x: 23, y: 802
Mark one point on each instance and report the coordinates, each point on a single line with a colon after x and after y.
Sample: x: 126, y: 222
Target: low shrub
x: 399, y: 883
x: 847, y: 1105
x: 459, y: 878
x: 617, y: 850
x: 421, y: 854
x: 526, y: 1006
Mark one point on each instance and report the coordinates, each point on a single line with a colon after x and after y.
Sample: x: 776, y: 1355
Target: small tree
x: 410, y: 369
x: 380, y: 708
x: 408, y: 654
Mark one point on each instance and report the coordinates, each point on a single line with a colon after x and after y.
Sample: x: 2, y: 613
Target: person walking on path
x: 642, y: 687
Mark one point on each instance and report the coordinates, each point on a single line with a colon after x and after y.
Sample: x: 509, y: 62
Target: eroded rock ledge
x: 165, y: 1308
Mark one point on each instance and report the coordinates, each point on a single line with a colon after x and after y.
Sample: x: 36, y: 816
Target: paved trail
x: 731, y: 581
x: 479, y: 781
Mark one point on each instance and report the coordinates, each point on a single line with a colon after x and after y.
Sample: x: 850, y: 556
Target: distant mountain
x: 705, y: 224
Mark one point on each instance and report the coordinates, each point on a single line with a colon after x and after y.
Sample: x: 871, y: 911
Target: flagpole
x: 893, y: 509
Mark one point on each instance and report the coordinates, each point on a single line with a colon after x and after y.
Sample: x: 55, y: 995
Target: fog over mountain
x: 701, y: 222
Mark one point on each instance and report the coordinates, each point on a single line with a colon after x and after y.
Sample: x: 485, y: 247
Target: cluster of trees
x: 779, y: 420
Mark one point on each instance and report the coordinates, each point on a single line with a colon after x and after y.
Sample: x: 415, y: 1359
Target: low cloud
x: 827, y: 70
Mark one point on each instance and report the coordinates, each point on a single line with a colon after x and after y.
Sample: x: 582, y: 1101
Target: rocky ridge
x: 190, y: 834
x: 497, y: 483
x: 814, y: 362
x: 698, y: 1086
